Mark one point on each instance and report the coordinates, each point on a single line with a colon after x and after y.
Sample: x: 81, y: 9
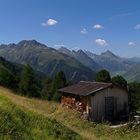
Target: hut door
x: 109, y: 108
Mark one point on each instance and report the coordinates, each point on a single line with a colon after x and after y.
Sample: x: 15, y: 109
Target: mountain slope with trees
x: 113, y: 63
x: 46, y: 60
x: 133, y: 74
x: 106, y: 60
x: 76, y: 65
x: 24, y: 80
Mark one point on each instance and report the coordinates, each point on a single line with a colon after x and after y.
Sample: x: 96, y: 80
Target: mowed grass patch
x: 17, y: 123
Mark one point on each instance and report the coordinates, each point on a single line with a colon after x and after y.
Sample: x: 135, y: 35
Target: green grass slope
x: 54, y: 121
x: 19, y: 124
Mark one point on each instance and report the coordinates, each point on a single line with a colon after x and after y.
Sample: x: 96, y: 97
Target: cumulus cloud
x: 84, y: 31
x: 98, y: 26
x: 49, y: 22
x: 137, y: 27
x: 131, y: 43
x: 101, y: 42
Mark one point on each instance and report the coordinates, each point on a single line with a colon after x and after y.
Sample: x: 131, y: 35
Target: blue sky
x: 95, y: 25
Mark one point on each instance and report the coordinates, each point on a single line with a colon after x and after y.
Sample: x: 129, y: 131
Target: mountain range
x: 46, y: 60
x: 82, y: 57
x: 106, y: 60
x: 129, y: 68
x: 77, y: 65
x: 116, y: 65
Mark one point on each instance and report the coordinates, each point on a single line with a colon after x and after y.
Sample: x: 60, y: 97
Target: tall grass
x: 69, y: 118
x: 19, y: 124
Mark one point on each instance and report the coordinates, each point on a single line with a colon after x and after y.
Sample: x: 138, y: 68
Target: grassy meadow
x: 29, y: 118
x: 19, y: 124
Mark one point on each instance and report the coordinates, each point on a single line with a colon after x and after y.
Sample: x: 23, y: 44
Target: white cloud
x: 131, y: 43
x: 49, y: 22
x: 98, y: 26
x: 101, y: 42
x: 137, y: 27
x: 84, y: 31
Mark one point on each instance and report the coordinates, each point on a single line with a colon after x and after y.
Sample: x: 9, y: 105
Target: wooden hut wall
x: 98, y: 102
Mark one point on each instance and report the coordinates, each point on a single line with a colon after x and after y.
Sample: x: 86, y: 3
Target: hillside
x: 67, y: 121
x: 133, y: 74
x: 106, y: 60
x: 10, y: 74
x: 18, y: 123
x: 112, y: 62
x: 46, y: 60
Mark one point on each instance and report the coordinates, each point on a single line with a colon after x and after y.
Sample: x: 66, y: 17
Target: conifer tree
x: 46, y: 89
x: 59, y: 82
x: 119, y: 81
x: 103, y: 76
x: 28, y: 85
x: 6, y: 77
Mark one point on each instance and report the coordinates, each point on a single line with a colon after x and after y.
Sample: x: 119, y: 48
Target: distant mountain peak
x: 12, y: 44
x: 108, y: 54
x: 90, y: 54
x: 76, y: 49
x: 80, y: 51
x: 30, y: 43
x: 64, y: 50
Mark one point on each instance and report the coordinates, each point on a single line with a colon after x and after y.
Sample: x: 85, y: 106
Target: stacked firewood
x: 73, y: 103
